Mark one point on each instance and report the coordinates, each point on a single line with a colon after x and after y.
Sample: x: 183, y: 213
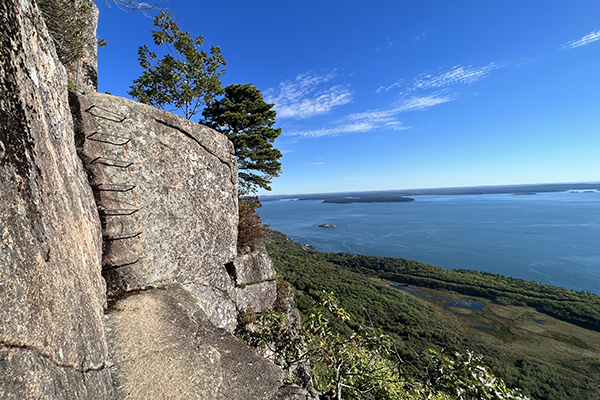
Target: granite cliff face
x: 167, y: 194
x: 52, y: 294
x: 149, y: 218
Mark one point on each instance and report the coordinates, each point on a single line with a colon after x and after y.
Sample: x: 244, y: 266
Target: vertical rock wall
x: 167, y: 192
x: 84, y: 73
x: 52, y: 342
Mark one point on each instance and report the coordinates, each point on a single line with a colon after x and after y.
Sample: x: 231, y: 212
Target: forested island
x: 540, y: 338
x: 472, y: 190
x: 374, y: 198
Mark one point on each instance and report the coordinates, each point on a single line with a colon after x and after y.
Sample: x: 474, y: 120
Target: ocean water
x: 550, y: 238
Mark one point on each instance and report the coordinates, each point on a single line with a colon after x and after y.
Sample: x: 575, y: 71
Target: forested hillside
x: 534, y: 336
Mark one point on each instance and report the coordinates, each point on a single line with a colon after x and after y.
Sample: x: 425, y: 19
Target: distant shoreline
x: 473, y: 190
x: 370, y: 199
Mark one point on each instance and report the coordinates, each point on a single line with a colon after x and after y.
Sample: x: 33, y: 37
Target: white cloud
x: 388, y: 44
x: 587, y: 39
x: 420, y: 36
x: 421, y: 102
x: 457, y: 75
x: 376, y: 120
x: 302, y: 98
x: 314, y: 163
x: 334, y: 131
x: 357, y: 176
x: 386, y: 88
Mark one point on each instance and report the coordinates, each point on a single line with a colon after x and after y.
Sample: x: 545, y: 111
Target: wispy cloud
x: 376, y: 120
x: 314, y: 163
x: 587, y: 39
x: 300, y: 98
x: 423, y: 102
x: 333, y: 131
x: 389, y: 87
x: 357, y: 176
x: 304, y: 97
x: 455, y: 76
x: 389, y: 43
x: 421, y: 36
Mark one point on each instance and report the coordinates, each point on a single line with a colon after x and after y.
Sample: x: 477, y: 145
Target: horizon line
x: 433, y: 188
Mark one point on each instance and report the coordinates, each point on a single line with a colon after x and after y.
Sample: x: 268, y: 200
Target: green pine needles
x: 247, y: 120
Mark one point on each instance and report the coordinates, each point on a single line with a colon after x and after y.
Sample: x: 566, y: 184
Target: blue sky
x: 402, y: 94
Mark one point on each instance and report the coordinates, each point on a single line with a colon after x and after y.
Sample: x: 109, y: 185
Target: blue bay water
x: 550, y: 238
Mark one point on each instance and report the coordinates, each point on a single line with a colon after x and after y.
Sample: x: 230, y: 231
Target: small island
x: 373, y: 198
x: 326, y: 226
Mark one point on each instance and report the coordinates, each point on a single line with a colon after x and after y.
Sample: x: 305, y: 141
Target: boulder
x: 253, y: 267
x: 167, y: 191
x: 52, y: 294
x: 257, y: 296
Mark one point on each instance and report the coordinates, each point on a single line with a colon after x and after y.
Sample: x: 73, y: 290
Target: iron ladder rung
x: 108, y: 138
x: 122, y: 236
x: 118, y: 211
x: 113, y: 187
x: 108, y: 267
x: 111, y: 162
x: 121, y: 117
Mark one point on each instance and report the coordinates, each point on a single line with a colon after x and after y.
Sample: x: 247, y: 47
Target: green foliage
x: 466, y: 377
x: 365, y: 364
x: 185, y: 78
x: 66, y: 22
x: 358, y: 366
x: 269, y: 330
x: 251, y: 231
x: 247, y: 120
x: 71, y: 85
x: 580, y: 308
x: 416, y: 325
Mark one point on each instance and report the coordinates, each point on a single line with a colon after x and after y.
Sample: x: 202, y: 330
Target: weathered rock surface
x: 163, y: 346
x: 84, y: 73
x: 52, y: 341
x: 181, y: 189
x: 178, y: 180
x: 257, y: 296
x: 253, y: 267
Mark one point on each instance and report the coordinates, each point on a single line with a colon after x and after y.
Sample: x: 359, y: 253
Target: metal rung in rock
x: 122, y: 236
x: 111, y: 162
x: 108, y: 267
x: 113, y: 187
x: 119, y: 116
x: 115, y: 140
x: 118, y: 211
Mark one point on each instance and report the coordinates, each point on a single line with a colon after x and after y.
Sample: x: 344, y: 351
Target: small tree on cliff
x: 186, y: 78
x: 247, y: 120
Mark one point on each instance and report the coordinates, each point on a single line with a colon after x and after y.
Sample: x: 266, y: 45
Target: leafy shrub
x: 365, y: 363
x: 251, y: 231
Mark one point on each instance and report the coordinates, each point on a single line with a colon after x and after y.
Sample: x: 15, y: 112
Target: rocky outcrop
x: 84, y: 72
x: 167, y: 192
x: 152, y: 209
x: 52, y: 297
